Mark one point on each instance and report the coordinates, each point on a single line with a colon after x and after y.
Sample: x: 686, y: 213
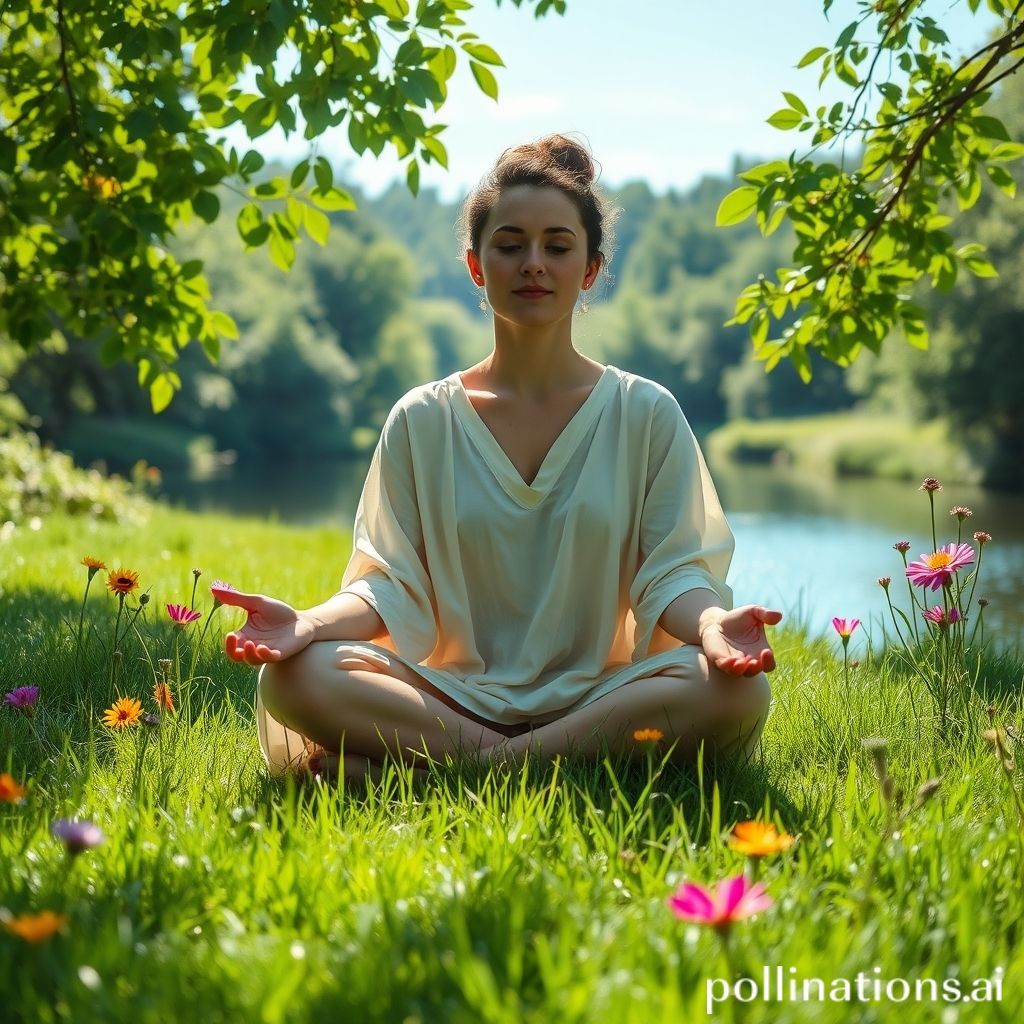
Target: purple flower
x: 24, y: 698
x: 78, y: 836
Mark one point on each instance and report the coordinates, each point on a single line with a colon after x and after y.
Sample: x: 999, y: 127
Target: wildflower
x: 93, y: 565
x: 926, y: 791
x: 940, y: 617
x: 143, y: 599
x: 126, y: 711
x: 122, y: 581
x: 758, y: 839
x: 930, y: 484
x: 961, y: 512
x: 78, y: 836
x: 936, y: 570
x: 982, y: 602
x: 845, y: 629
x: 878, y: 748
x: 733, y: 899
x: 10, y: 791
x: 982, y: 538
x: 24, y: 698
x: 196, y: 573
x: 182, y: 615
x: 902, y: 546
x: 884, y: 581
x: 36, y: 927
x: 163, y: 696
x: 648, y: 735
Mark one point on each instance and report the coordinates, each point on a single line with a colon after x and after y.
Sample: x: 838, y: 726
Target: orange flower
x: 126, y: 711
x: 36, y: 927
x: 758, y: 839
x: 122, y: 581
x: 93, y: 564
x: 10, y: 791
x: 102, y: 186
x: 648, y: 735
x: 163, y: 696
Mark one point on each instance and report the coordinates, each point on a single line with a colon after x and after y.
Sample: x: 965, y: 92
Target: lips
x: 532, y: 292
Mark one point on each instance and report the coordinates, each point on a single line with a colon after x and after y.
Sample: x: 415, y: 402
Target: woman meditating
x: 539, y: 555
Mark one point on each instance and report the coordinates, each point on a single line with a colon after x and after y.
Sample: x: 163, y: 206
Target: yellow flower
x: 758, y: 839
x: 93, y: 564
x: 122, y: 581
x: 163, y: 696
x: 36, y: 927
x: 648, y: 735
x: 10, y: 791
x: 126, y: 711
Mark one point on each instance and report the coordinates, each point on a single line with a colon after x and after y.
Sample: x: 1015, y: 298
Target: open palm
x: 273, y: 629
x: 736, y: 643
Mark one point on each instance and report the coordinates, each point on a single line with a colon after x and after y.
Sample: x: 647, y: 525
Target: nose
x: 533, y: 264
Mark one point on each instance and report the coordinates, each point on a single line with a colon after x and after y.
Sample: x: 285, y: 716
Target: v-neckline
x: 558, y: 455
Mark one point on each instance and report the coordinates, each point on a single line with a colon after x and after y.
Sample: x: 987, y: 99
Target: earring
x: 483, y: 304
x: 584, y: 305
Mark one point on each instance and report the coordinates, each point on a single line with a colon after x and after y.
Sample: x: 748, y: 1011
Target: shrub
x: 37, y: 481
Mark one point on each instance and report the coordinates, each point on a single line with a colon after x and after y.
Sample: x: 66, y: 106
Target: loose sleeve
x: 685, y: 541
x: 387, y: 567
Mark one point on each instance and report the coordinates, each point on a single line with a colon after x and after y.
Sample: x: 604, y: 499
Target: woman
x: 539, y: 553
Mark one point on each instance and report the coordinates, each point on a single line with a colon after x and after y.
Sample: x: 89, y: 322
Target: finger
x: 768, y: 662
x: 770, y: 616
x: 237, y: 598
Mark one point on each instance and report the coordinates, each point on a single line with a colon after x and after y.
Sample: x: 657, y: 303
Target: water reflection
x: 811, y: 545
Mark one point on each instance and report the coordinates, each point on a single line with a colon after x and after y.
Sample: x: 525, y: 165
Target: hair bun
x: 568, y: 154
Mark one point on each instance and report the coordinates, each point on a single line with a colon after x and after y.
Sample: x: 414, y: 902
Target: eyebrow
x: 547, y: 231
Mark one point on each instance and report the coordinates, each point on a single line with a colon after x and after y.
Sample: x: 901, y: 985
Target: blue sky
x: 663, y: 90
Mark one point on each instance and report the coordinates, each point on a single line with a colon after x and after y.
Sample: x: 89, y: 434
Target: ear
x: 473, y: 265
x: 593, y: 269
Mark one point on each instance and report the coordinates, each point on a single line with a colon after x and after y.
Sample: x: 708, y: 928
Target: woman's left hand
x: 734, y: 642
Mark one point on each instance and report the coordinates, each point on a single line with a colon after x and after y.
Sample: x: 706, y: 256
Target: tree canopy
x: 865, y: 236
x: 109, y: 115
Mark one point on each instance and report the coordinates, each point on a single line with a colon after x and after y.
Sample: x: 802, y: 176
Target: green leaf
x: 1003, y: 179
x: 916, y: 333
x: 785, y: 119
x: 990, y: 127
x: 324, y: 174
x: 282, y: 251
x: 190, y: 269
x: 300, y: 173
x: 1008, y: 151
x: 812, y: 55
x: 796, y: 103
x: 487, y: 82
x: 739, y: 204
x: 161, y: 391
x: 412, y: 177
x: 318, y: 225
x: 980, y: 267
x: 334, y: 199
x: 224, y: 324
x: 206, y: 205
x: 483, y: 53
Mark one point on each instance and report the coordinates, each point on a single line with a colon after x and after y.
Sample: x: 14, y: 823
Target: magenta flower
x: 845, y: 629
x: 936, y: 570
x: 733, y: 899
x: 24, y: 698
x: 78, y: 836
x: 939, y: 617
x: 182, y: 615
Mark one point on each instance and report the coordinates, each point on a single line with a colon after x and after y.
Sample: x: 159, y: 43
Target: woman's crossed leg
x: 335, y: 695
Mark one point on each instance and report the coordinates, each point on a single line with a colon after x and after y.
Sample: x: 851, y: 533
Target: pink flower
x: 939, y: 617
x: 936, y: 570
x: 23, y: 698
x: 845, y: 629
x: 982, y: 538
x: 732, y: 900
x: 77, y: 836
x: 182, y: 615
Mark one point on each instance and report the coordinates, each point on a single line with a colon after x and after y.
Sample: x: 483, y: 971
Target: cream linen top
x: 525, y: 601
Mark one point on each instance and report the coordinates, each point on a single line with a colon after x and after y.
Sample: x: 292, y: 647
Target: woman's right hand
x: 273, y: 630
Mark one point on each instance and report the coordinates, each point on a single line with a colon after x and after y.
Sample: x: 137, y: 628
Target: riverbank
x: 846, y: 445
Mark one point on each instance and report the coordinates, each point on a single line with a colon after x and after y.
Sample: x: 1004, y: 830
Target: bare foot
x: 322, y: 764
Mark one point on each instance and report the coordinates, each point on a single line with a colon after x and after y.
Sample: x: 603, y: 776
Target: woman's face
x: 533, y: 256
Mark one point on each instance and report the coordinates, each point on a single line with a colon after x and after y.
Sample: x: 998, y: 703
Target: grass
x: 529, y: 896
x: 847, y: 444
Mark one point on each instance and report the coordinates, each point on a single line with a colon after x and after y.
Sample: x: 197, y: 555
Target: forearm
x: 689, y: 613
x: 346, y: 617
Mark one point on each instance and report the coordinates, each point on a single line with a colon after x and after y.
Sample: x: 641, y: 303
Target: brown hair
x: 556, y: 161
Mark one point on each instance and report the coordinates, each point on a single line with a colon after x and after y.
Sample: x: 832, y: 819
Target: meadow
x: 534, y: 894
